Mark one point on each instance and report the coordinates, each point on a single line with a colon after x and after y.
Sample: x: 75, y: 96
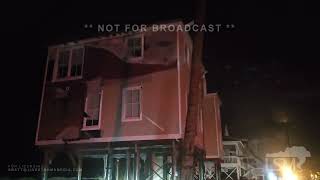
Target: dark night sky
x: 266, y: 63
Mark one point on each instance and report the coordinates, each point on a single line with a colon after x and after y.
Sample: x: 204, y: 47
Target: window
x: 135, y: 46
x: 92, y: 111
x: 76, y: 62
x: 69, y: 63
x: 63, y: 63
x: 131, y: 109
x: 230, y: 150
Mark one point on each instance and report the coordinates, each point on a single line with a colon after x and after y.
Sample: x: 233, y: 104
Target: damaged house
x: 115, y: 107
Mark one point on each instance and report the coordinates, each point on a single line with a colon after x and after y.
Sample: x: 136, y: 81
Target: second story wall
x: 159, y: 107
x: 147, y: 47
x: 161, y: 75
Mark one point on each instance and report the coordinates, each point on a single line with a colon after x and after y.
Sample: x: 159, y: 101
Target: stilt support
x: 79, y: 167
x: 45, y: 166
x: 137, y: 162
x: 174, y: 161
x: 128, y: 158
x: 109, y: 164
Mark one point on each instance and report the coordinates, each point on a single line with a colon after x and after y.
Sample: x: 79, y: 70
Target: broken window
x: 135, y: 46
x: 92, y: 106
x: 132, y: 103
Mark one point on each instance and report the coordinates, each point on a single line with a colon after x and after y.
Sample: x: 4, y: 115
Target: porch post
x: 79, y: 167
x: 174, y: 160
x: 128, y: 165
x: 149, y: 165
x: 137, y: 163
x: 201, y: 168
x: 109, y: 164
x: 165, y: 167
x: 217, y: 167
x: 45, y: 165
x: 117, y: 169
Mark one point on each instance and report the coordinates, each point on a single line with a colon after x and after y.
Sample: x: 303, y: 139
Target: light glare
x: 272, y: 176
x: 287, y: 174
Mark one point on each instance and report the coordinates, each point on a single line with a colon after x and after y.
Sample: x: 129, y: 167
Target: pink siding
x: 212, y: 126
x: 157, y: 73
x: 184, y: 77
x: 159, y: 104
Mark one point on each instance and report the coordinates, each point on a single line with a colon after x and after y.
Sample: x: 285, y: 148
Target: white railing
x: 231, y: 159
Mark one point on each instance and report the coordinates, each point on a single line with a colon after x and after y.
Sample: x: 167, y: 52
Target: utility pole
x: 284, y: 121
x: 195, y: 95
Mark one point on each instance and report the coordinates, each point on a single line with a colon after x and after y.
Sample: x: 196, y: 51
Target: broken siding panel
x: 159, y: 47
x: 212, y: 126
x: 102, y: 63
x: 62, y: 108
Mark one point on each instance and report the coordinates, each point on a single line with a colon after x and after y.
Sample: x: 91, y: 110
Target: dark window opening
x: 76, y: 62
x: 92, y: 167
x: 63, y: 62
x: 76, y: 70
x: 62, y: 166
x: 92, y: 122
x: 92, y: 106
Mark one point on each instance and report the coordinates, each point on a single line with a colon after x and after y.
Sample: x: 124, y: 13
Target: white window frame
x: 133, y: 58
x: 124, y: 103
x: 56, y: 64
x: 96, y: 127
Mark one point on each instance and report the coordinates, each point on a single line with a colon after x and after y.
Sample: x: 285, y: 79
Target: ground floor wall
x: 134, y: 161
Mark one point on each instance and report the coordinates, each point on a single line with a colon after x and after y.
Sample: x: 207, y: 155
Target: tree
x: 195, y: 95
